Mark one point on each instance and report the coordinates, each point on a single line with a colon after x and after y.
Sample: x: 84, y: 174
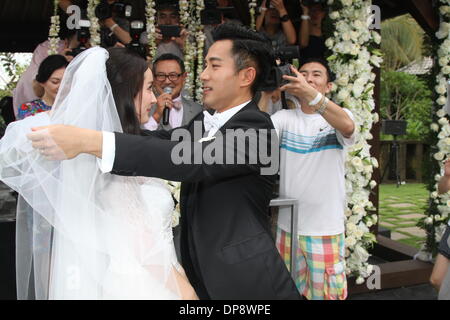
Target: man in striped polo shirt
x: 313, y: 137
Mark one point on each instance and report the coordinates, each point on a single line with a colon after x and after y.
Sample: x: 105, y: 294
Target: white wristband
x: 305, y: 17
x: 115, y: 25
x: 316, y: 99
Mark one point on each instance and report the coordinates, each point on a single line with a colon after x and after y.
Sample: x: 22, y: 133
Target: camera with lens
x: 104, y: 10
x: 136, y: 29
x: 285, y: 56
x: 313, y: 2
x: 212, y: 14
x: 83, y: 36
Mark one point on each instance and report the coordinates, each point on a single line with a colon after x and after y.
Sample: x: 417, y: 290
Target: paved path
x: 401, y: 212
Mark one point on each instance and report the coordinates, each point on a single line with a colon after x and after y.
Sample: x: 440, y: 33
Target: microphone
x: 166, y: 110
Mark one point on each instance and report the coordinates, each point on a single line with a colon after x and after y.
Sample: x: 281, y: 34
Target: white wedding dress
x: 82, y: 234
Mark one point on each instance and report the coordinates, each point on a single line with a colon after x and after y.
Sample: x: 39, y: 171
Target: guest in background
x: 169, y: 72
x: 312, y: 43
x: 168, y: 14
x: 274, y: 23
x: 48, y: 79
x: 25, y: 91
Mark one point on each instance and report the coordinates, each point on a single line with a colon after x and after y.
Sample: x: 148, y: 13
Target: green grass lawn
x: 400, y: 209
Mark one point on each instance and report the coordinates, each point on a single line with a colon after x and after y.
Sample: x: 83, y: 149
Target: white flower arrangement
x: 53, y: 34
x: 190, y: 49
x: 353, y: 62
x: 94, y: 29
x: 150, y: 14
x: 252, y: 4
x: 200, y: 37
x: 434, y: 224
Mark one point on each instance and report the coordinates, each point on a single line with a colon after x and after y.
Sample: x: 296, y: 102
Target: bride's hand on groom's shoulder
x: 61, y: 142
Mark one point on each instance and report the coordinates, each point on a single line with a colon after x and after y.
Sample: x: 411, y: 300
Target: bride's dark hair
x: 125, y: 70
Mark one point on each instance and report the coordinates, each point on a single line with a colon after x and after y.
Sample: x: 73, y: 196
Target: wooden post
x: 419, y: 159
x: 402, y: 160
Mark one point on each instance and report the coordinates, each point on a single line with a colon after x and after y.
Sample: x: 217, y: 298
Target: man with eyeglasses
x: 169, y: 72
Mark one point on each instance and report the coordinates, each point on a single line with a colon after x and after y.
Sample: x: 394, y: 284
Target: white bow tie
x: 210, y: 122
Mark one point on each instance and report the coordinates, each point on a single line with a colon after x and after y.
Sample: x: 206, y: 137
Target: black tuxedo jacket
x: 226, y: 244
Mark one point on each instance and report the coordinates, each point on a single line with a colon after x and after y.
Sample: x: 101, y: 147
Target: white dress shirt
x: 109, y: 141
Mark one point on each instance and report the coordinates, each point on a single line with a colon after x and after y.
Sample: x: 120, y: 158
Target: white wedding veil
x: 82, y: 234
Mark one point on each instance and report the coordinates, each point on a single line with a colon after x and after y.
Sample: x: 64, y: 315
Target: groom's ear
x: 247, y: 76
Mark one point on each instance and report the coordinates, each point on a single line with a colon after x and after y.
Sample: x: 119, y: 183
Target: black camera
x: 136, y: 29
x: 313, y: 2
x: 169, y: 31
x: 284, y: 55
x: 104, y: 10
x: 83, y: 36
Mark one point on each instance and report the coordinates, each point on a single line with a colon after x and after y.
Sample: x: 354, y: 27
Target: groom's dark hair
x: 250, y: 49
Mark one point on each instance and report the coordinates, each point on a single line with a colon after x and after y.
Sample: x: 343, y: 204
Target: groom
x: 226, y: 246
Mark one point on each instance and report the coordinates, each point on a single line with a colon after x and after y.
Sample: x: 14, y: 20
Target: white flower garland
x: 53, y: 34
x: 94, y: 29
x: 439, y: 221
x: 200, y: 37
x: 252, y: 4
x: 190, y: 49
x: 353, y: 63
x: 150, y: 15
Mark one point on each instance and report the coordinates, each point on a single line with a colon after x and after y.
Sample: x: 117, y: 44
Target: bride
x: 83, y: 234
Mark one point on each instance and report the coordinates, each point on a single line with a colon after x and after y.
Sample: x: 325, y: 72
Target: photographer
x: 168, y: 15
x: 114, y: 26
x: 311, y: 39
x: 313, y: 137
x: 274, y: 22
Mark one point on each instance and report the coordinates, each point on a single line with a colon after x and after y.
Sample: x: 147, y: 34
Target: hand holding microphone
x: 166, y: 111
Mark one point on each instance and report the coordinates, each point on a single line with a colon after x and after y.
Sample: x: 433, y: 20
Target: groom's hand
x: 60, y: 142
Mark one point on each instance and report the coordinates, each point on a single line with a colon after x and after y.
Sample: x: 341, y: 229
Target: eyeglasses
x: 171, y: 76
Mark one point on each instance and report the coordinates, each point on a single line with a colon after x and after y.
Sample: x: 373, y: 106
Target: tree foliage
x: 402, y: 42
x: 405, y: 97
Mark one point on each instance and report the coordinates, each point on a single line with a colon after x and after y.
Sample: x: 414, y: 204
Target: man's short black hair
x: 323, y: 62
x: 250, y: 49
x: 169, y: 56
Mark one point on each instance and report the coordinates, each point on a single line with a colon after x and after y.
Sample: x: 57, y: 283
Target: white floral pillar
x: 95, y: 27
x: 200, y: 37
x: 354, y: 55
x: 53, y: 34
x: 150, y: 16
x: 436, y: 221
x: 186, y: 10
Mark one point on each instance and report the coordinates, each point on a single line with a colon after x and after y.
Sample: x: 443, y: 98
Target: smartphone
x: 169, y: 31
